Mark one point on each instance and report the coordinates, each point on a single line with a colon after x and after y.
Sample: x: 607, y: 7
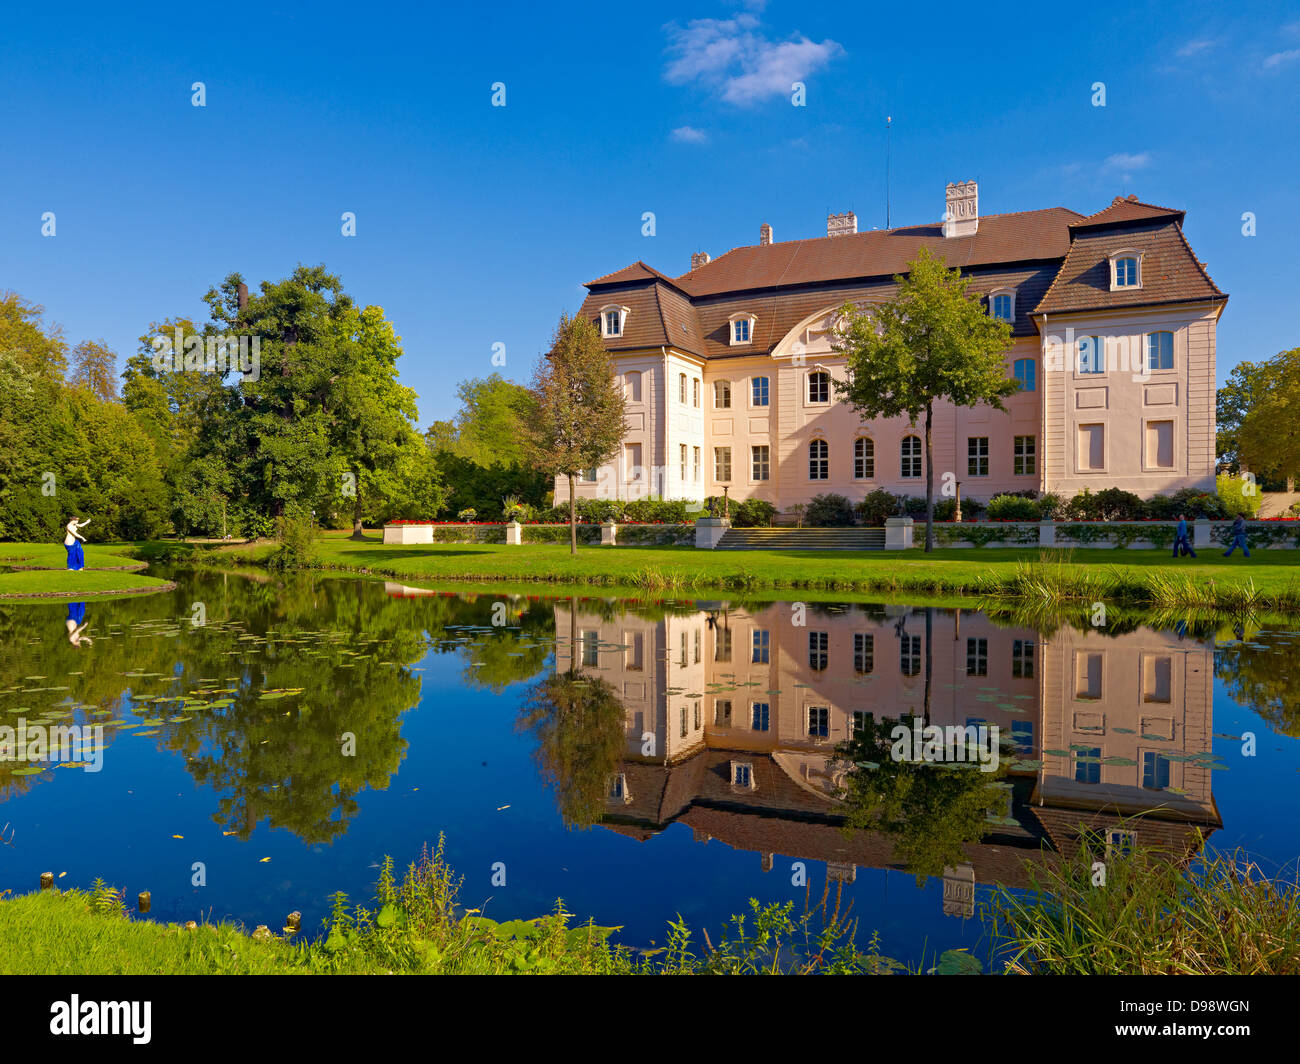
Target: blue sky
x: 477, y: 224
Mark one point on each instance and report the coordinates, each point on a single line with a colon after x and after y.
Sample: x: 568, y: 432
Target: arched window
x: 864, y: 458
x: 819, y: 463
x: 1024, y: 373
x: 819, y: 387
x: 1001, y: 304
x: 910, y: 454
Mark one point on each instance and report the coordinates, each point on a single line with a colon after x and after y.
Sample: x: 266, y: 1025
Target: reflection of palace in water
x: 733, y: 715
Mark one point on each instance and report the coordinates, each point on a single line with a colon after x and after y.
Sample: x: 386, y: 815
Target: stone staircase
x: 803, y: 539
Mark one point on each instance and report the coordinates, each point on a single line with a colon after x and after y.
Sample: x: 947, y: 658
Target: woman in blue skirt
x: 72, y: 543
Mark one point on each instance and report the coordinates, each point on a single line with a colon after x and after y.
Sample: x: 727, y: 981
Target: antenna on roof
x: 889, y: 125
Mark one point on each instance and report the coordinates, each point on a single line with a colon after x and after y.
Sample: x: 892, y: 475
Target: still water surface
x: 682, y: 761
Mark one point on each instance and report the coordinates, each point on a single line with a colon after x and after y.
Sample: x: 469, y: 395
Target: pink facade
x: 728, y: 368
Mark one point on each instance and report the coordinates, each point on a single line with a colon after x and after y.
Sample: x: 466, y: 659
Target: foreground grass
x: 1152, y: 915
x: 40, y: 570
x: 1270, y: 580
x: 1221, y: 916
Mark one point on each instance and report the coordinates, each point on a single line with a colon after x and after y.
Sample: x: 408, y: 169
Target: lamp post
x: 957, y: 513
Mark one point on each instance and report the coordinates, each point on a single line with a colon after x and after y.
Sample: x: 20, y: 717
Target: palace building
x: 727, y: 368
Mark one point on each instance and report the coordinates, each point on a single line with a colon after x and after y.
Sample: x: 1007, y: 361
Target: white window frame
x: 748, y: 768
x: 727, y: 385
x: 862, y: 437
x: 807, y: 388
x: 824, y: 462
x: 1115, y: 258
x: 622, y: 321
x: 1009, y: 292
x: 760, y: 406
x: 733, y: 332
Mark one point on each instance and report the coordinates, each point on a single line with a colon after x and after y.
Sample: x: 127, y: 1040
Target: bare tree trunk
x: 929, y: 479
x: 573, y: 518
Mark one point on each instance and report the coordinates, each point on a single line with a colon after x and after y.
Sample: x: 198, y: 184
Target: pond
x: 266, y: 741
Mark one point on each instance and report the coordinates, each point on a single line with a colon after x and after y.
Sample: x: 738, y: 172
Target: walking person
x: 1238, y: 537
x: 72, y: 543
x: 1182, y: 542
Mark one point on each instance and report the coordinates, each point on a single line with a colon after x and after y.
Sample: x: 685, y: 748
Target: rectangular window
x: 590, y: 649
x: 910, y: 457
x: 1155, y: 771
x: 1092, y: 354
x: 682, y: 454
x: 819, y: 463
x: 864, y: 653
x: 1160, y: 444
x: 634, y: 656
x: 760, y: 716
x: 758, y: 391
x: 722, y: 644
x: 697, y: 715
x: 697, y: 646
x: 1092, y: 447
x: 722, y: 712
x: 632, y: 461
x: 632, y: 389
x: 1089, y: 770
x: 696, y: 464
x: 1025, y: 371
x: 682, y: 660
x: 683, y: 720
x: 589, y: 475
x: 818, y: 646
x: 1022, y: 658
x: 1160, y: 350
x: 741, y: 330
x: 695, y: 392
x: 819, y: 722
x: 722, y: 395
x: 762, y: 461
x: 977, y: 657
x: 909, y: 654
x: 742, y: 775
x: 861, y: 720
x: 977, y: 456
x: 681, y: 388
x: 761, y: 647
x: 722, y: 464
x: 1024, y: 457
x: 1157, y: 679
x: 819, y: 387
x: 864, y: 458
x: 1087, y: 676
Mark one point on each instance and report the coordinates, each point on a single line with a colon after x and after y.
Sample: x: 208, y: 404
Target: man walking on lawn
x: 1181, y: 540
x: 1238, y: 537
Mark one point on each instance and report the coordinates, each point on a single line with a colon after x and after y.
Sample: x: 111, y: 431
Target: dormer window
x: 612, y: 320
x: 742, y: 329
x: 1002, y: 305
x: 1125, y: 270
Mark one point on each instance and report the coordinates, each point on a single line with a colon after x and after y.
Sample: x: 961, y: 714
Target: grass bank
x: 39, y: 570
x: 1153, y: 915
x: 1267, y: 581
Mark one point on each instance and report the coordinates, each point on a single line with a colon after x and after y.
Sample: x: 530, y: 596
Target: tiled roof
x: 1025, y: 236
x: 1055, y: 259
x: 1128, y: 209
x: 1170, y: 272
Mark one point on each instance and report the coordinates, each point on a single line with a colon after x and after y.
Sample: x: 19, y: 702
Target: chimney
x: 765, y: 234
x: 700, y: 258
x: 961, y: 216
x: 841, y: 224
x: 243, y: 295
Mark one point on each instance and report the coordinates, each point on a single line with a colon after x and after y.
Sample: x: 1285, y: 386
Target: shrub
x: 1014, y: 508
x: 1233, y: 498
x: 649, y: 511
x: 753, y: 513
x: 877, y: 505
x: 1110, y: 504
x: 297, y: 538
x: 829, y: 511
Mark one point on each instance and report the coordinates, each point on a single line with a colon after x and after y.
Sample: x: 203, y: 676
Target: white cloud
x: 1125, y: 161
x: 1278, y: 58
x: 689, y: 135
x: 1195, y: 47
x: 737, y: 59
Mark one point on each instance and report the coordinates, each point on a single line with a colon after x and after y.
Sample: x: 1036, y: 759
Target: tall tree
x: 932, y: 342
x: 579, y: 411
x: 94, y: 366
x: 1268, y: 434
x: 39, y: 348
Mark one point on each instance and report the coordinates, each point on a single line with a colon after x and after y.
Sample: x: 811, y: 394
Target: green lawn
x: 1269, y: 579
x: 39, y: 570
